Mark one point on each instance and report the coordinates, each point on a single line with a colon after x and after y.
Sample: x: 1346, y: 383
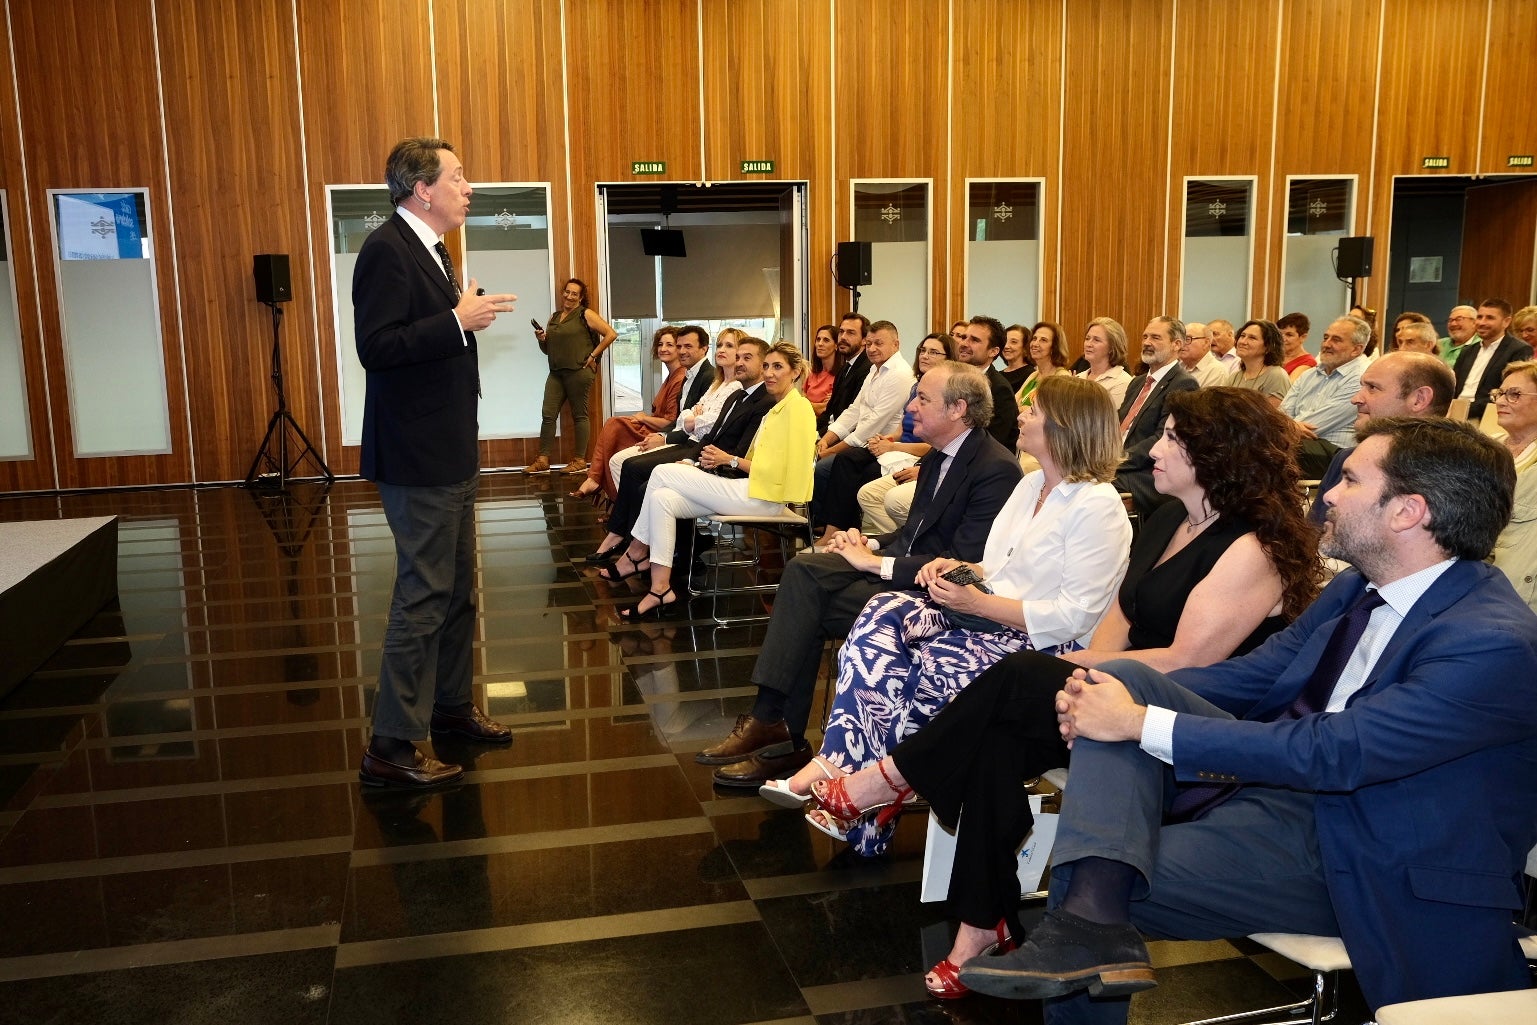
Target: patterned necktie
x: 1136, y: 407
x: 920, y: 510
x: 448, y: 266
x: 1197, y: 799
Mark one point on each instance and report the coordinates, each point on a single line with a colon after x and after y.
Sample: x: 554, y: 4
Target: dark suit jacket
x: 420, y: 412
x: 1005, y: 425
x: 734, y: 433
x: 954, y: 523
x: 846, y: 388
x: 1425, y: 784
x: 1509, y: 349
x: 1148, y: 425
x: 696, y: 392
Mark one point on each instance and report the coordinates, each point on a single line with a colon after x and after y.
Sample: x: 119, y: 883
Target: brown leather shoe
x: 577, y: 465
x: 539, y: 465
x: 476, y: 726
x: 760, y: 768
x: 424, y: 772
x: 750, y: 737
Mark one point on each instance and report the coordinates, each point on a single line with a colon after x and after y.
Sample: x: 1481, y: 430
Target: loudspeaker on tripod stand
x: 273, y: 284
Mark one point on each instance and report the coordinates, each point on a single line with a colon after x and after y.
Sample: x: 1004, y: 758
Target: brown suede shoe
x: 540, y: 465
x: 760, y: 768
x: 751, y: 736
x: 577, y: 465
x: 424, y: 772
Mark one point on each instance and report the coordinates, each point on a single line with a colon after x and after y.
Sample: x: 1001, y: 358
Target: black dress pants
x: 837, y: 504
x: 975, y: 756
x: 634, y: 475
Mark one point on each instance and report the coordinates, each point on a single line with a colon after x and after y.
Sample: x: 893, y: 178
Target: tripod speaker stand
x: 272, y: 467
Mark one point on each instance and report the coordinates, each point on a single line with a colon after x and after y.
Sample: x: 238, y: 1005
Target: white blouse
x: 1065, y: 563
x: 710, y: 407
x: 1113, y: 381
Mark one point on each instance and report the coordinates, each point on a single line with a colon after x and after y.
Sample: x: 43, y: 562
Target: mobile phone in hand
x: 962, y: 575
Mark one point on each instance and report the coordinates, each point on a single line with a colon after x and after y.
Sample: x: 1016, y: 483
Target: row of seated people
x: 1225, y: 564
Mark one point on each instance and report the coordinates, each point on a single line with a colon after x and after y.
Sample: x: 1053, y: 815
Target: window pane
x: 1003, y: 251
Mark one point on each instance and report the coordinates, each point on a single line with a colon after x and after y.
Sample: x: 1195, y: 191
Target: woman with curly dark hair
x: 1212, y: 573
x: 1261, y: 354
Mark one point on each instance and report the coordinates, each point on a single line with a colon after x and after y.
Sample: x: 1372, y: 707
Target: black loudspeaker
x: 273, y: 284
x: 1355, y: 256
x: 853, y: 264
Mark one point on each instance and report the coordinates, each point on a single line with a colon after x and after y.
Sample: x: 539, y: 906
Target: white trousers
x: 678, y: 491
x: 885, y: 504
x: 616, y: 460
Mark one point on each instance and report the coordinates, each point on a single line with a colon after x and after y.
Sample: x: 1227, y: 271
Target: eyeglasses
x: 933, y: 352
x: 1508, y: 394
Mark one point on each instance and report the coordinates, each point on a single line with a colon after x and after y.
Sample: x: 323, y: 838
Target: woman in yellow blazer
x: 776, y: 470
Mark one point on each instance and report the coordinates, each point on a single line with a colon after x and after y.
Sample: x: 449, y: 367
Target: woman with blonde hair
x: 1105, y: 348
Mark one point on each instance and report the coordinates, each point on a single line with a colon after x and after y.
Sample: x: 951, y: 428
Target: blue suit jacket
x: 421, y: 410
x: 1425, y: 784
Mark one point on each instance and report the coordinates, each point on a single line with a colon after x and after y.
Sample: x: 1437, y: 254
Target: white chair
x: 739, y: 546
x: 1517, y: 1007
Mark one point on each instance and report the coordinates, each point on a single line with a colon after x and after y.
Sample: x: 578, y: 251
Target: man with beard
x: 1369, y: 773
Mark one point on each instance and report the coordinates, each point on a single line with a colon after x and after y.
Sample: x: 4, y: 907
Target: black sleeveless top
x: 1153, y: 597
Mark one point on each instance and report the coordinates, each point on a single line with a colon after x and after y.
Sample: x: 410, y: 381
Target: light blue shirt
x: 1322, y: 399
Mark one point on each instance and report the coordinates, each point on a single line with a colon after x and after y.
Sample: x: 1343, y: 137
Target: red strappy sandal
x: 836, y: 811
x: 948, y: 972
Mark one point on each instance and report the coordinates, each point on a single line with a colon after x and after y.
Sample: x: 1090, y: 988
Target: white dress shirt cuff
x: 888, y: 567
x: 1158, y: 734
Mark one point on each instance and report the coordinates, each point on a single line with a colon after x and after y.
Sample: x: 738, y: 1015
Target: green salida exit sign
x: 757, y: 167
x: 648, y: 167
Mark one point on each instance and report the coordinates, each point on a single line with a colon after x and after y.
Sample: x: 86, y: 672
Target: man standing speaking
x: 415, y: 330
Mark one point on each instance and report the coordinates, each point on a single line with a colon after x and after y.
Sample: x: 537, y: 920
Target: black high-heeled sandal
x: 611, y: 572
x: 657, y: 611
x: 609, y: 554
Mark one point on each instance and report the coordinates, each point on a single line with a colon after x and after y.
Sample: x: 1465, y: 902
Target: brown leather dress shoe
x: 760, y: 768
x: 750, y: 737
x: 424, y: 772
x: 476, y: 726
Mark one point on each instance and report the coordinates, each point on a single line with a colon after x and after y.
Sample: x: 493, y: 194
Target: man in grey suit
x: 415, y: 333
x: 962, y: 484
x: 1142, y: 411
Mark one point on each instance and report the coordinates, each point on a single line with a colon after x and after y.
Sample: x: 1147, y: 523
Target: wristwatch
x: 733, y: 462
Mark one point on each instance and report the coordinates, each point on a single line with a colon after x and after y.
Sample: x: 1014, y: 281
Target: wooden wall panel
x: 228, y: 64
x: 1005, y: 119
x: 1510, y: 112
x: 1113, y: 182
x: 1215, y: 131
x: 36, y: 473
x: 501, y: 104
x: 64, y: 113
x: 367, y: 76
x: 1499, y: 238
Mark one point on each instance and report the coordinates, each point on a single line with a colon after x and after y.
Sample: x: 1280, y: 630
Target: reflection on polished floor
x: 183, y: 838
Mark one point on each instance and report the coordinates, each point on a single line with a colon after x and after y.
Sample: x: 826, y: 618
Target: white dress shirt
x: 878, y: 407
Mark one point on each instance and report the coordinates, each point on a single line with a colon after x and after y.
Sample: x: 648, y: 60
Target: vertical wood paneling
x: 367, y: 83
x: 1510, y: 112
x: 100, y: 78
x: 1325, y: 108
x: 35, y: 474
x: 234, y: 64
x: 1216, y: 133
x: 773, y: 103
x: 1499, y: 237
x: 1005, y: 119
x: 1113, y: 182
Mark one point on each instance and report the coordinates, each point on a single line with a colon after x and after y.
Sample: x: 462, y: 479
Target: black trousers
x: 837, y: 504
x: 974, y: 757
x: 634, y: 475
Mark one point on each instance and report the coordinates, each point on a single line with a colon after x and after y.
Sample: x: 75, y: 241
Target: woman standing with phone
x: 573, y: 341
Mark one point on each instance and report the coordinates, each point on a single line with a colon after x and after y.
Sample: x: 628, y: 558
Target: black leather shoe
x: 422, y: 774
x: 476, y: 726
x: 1062, y: 955
x: 749, y: 737
x: 760, y: 768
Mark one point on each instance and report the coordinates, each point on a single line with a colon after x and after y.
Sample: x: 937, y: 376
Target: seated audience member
x: 826, y: 364
x: 1142, y: 410
x: 884, y: 503
x: 1515, y: 404
x: 1294, y: 329
x: 1369, y: 315
x: 775, y: 471
x: 979, y: 344
x: 1049, y: 570
x: 1319, y: 399
x: 1368, y: 773
x: 1222, y: 342
x: 1195, y: 355
x: 1524, y: 325
x: 1417, y: 336
x: 1016, y: 355
x: 853, y: 468
x: 877, y: 409
x: 1048, y: 351
x: 1191, y: 597
x: 853, y: 328
x: 620, y: 432
x: 962, y: 484
x: 738, y: 418
x: 1481, y: 365
x: 1459, y: 332
x: 1259, y: 347
x: 1104, y: 348
x: 1416, y: 384
x: 1402, y: 320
